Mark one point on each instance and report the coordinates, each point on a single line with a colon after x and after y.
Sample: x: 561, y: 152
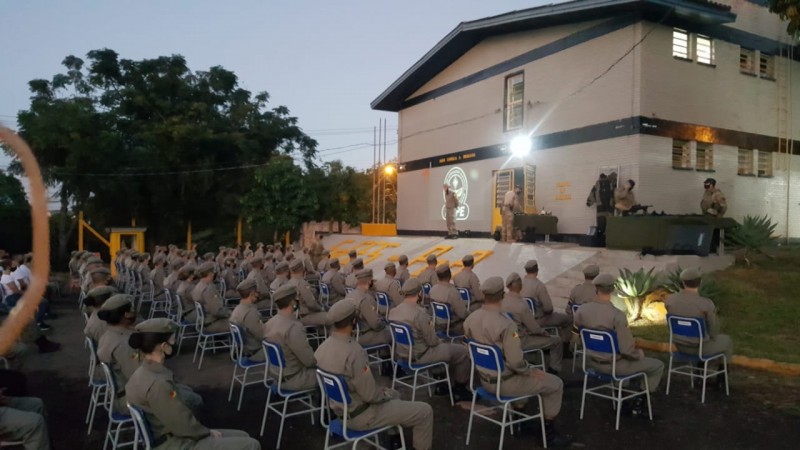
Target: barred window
x: 764, y: 164
x: 515, y: 95
x: 680, y: 43
x: 766, y: 66
x: 704, y: 49
x: 681, y: 154
x: 747, y: 61
x: 746, y: 162
x: 704, y: 156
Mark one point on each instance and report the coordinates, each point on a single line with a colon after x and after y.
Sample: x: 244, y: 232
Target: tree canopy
x: 787, y: 10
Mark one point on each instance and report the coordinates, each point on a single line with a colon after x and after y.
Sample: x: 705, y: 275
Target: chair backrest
x: 324, y: 293
x: 600, y: 341
x: 488, y: 358
x: 348, y: 290
x: 441, y: 311
x: 143, y: 430
x: 693, y: 328
x: 426, y: 289
x: 334, y: 388
x: 574, y: 308
x: 111, y: 382
x: 465, y: 295
x: 223, y: 287
x: 383, y: 302
x: 237, y: 343
x: 92, y: 346
x: 201, y: 316
x: 275, y: 358
x: 402, y: 334
x: 531, y: 304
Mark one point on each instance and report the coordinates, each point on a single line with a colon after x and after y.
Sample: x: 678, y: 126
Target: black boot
x: 391, y: 441
x: 554, y: 438
x: 46, y: 346
x: 461, y: 393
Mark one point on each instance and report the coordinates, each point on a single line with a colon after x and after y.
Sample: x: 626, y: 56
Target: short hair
x: 244, y: 293
x: 344, y: 323
x: 444, y: 275
x: 468, y: 263
x: 692, y: 284
x: 493, y: 298
x: 533, y: 269
x: 285, y: 301
x: 114, y: 316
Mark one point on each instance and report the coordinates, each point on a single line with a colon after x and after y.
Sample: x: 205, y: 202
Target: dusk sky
x: 324, y: 60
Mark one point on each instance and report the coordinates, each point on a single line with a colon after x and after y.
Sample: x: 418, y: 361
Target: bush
x: 753, y: 235
x: 708, y: 288
x: 633, y: 287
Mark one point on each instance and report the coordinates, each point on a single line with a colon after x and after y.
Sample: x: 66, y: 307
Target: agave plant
x: 752, y: 235
x: 673, y: 282
x: 633, y: 287
x: 708, y: 288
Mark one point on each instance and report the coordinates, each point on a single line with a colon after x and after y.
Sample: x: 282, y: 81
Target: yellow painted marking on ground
x: 478, y: 255
x: 376, y: 253
x: 439, y: 250
x: 338, y: 252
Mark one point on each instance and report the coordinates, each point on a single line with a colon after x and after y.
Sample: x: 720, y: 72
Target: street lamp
x: 388, y: 170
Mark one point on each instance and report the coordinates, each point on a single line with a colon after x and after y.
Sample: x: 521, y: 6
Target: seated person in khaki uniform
x: 281, y: 276
x: 402, y: 271
x: 247, y: 317
x: 153, y: 389
x: 429, y: 274
x: 286, y: 331
x: 466, y: 279
x: 533, y: 288
x: 22, y: 419
x: 95, y: 327
x: 357, y: 266
x: 372, y: 329
x: 185, y: 290
x: 348, y: 268
x: 600, y: 314
x: 689, y: 303
x: 444, y: 292
x: 428, y: 348
x: 335, y: 281
x: 371, y: 406
x: 490, y: 326
x: 310, y: 311
x: 256, y: 276
x: 584, y: 292
x: 113, y: 348
x: 389, y: 285
x: 207, y: 294
x: 531, y: 334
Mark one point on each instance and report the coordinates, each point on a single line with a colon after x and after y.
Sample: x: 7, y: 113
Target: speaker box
x: 689, y: 239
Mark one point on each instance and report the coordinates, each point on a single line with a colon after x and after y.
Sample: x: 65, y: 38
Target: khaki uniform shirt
x: 691, y: 304
x: 351, y: 281
x: 95, y: 327
x: 369, y: 319
x: 428, y: 276
x: 335, y: 281
x: 514, y: 304
x: 268, y: 272
x: 157, y: 275
x: 185, y: 291
x: 468, y: 280
x: 347, y: 269
x: 322, y: 266
x: 308, y: 303
x: 248, y: 318
x: 153, y: 389
x: 714, y: 199
x: 624, y: 199
x: 290, y: 334
x: 391, y: 287
x: 343, y: 355
x: 421, y: 325
x: 491, y: 327
x: 443, y: 292
x: 113, y: 349
x: 402, y: 274
x: 208, y: 296
x: 261, y: 285
x: 171, y: 282
x: 451, y: 202
x: 279, y: 281
x: 580, y: 294
x: 604, y: 316
x: 535, y: 289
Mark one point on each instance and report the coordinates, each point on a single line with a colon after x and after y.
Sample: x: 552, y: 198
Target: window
x: 764, y: 164
x: 745, y: 162
x: 515, y: 94
x: 681, y: 154
x: 680, y: 43
x: 747, y: 61
x: 704, y: 49
x: 704, y: 156
x: 766, y: 66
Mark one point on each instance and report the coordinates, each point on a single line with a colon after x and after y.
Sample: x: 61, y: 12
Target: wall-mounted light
x: 521, y: 146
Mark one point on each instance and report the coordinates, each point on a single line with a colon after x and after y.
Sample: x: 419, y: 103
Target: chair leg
x: 504, y: 425
x: 449, y: 384
x: 241, y: 389
x: 541, y: 421
x: 196, y: 348
x: 583, y: 394
x: 725, y: 368
x: 705, y: 377
x: 669, y: 372
x: 283, y: 419
x: 233, y: 380
x: 471, y: 415
x: 414, y: 388
x: 619, y: 404
x: 647, y: 394
x: 402, y: 437
x: 266, y: 411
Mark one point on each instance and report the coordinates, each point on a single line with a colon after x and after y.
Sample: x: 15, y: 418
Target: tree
x: 153, y: 140
x: 787, y: 10
x: 12, y: 196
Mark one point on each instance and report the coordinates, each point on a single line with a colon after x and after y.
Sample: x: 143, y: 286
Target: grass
x: 758, y: 308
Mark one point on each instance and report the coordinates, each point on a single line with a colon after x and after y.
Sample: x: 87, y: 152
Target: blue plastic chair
x: 205, y: 340
x: 578, y: 344
x: 324, y: 294
x: 334, y: 390
x: 374, y: 351
x: 538, y: 351
x: 98, y: 385
x: 466, y: 296
x: 276, y: 359
x: 348, y: 290
x: 144, y: 433
x: 693, y: 328
x: 442, y: 312
x: 241, y: 362
x: 605, y: 344
x: 532, y: 305
x: 186, y: 328
x: 426, y: 289
x: 120, y: 422
x: 384, y: 305
x: 489, y: 359
x: 402, y: 335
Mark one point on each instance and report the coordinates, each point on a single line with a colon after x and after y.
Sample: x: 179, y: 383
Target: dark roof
x: 468, y: 34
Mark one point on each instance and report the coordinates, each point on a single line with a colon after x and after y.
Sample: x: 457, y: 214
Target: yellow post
x: 239, y: 232
x: 80, y: 230
x: 133, y: 222
x: 286, y: 239
x: 189, y: 236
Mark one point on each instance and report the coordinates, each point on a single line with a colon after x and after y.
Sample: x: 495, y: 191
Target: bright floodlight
x: 389, y: 169
x: 521, y: 146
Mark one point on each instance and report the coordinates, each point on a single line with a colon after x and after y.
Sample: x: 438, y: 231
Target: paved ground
x: 754, y: 416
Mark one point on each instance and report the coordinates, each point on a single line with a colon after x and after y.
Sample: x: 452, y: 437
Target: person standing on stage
x: 510, y: 206
x: 713, y: 202
x: 602, y: 197
x: 450, y: 205
x: 624, y: 199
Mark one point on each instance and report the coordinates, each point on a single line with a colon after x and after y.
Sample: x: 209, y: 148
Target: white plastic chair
x: 490, y: 359
x: 693, y: 328
x: 98, y: 385
x: 144, y: 434
x: 402, y: 335
x: 118, y: 421
x: 241, y: 362
x: 206, y: 340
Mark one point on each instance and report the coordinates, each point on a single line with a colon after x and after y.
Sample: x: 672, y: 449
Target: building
x: 665, y: 92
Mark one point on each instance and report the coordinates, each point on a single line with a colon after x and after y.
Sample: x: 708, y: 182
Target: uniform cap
x: 431, y: 259
x: 282, y: 266
x: 159, y: 258
x: 204, y: 269
x: 442, y: 268
x: 403, y: 259
x: 296, y: 264
x: 221, y: 248
x: 285, y: 291
x: 334, y: 261
x: 710, y: 180
x: 352, y: 254
x: 208, y: 255
x: 492, y: 286
x: 412, y: 286
x: 246, y: 285
x: 690, y: 274
x: 117, y: 301
x: 100, y: 270
x: 101, y: 291
x: 364, y: 274
x: 604, y: 279
x: 469, y: 259
x: 514, y: 276
x: 257, y: 260
x: 188, y: 269
x: 531, y: 264
x: 591, y: 270
x: 158, y: 325
x: 388, y: 266
x: 94, y: 260
x: 358, y: 262
x: 341, y: 310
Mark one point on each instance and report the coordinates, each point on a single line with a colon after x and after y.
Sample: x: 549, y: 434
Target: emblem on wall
x: 457, y: 180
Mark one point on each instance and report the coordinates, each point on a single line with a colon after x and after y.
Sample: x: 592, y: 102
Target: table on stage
x: 669, y: 234
x: 531, y: 224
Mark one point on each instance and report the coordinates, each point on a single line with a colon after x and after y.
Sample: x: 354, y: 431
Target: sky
x: 326, y: 60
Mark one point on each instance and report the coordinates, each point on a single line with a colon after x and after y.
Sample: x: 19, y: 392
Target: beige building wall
x: 472, y: 117
x: 756, y: 19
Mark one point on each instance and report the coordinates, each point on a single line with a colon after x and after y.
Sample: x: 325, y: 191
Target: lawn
x: 759, y: 308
